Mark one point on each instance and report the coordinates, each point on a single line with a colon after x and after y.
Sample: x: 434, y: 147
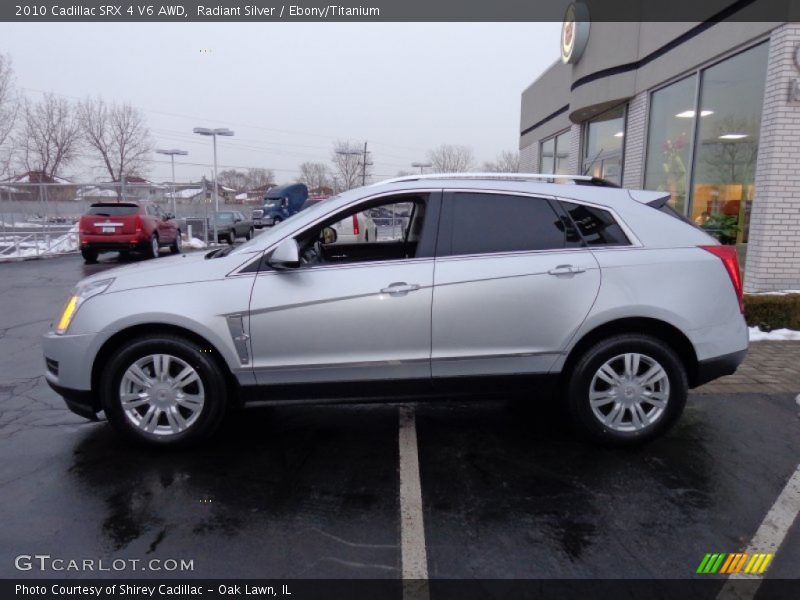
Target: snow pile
x: 196, y: 243
x: 756, y: 335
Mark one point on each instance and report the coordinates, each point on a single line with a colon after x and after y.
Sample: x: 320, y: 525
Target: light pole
x: 422, y: 166
x: 172, y: 154
x: 214, y: 133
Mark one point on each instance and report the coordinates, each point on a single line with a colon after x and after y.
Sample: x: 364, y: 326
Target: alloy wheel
x: 161, y: 394
x: 629, y: 392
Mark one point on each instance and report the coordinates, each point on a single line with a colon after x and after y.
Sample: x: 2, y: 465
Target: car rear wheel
x: 175, y: 248
x: 250, y: 234
x: 153, y: 250
x: 164, y: 391
x: 89, y: 255
x: 231, y: 238
x: 627, y: 389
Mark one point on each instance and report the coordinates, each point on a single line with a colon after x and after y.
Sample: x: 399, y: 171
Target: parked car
x: 358, y: 228
x: 127, y: 227
x: 598, y: 297
x: 231, y: 224
x: 280, y: 203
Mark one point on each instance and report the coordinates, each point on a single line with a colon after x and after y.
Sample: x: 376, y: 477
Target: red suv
x: 124, y: 227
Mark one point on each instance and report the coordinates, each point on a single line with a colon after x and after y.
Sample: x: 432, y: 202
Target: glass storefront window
x: 731, y: 97
x: 602, y: 153
x: 554, y: 156
x: 672, y: 112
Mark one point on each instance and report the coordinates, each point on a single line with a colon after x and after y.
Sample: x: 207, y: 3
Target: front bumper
x: 81, y: 402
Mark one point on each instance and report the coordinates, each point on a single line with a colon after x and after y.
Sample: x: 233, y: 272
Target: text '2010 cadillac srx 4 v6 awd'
x: 504, y: 283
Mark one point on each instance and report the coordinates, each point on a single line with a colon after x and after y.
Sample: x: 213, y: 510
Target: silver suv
x: 485, y: 284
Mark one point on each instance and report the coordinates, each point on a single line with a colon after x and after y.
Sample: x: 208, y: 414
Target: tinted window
x: 597, y: 226
x: 114, y: 210
x: 484, y: 223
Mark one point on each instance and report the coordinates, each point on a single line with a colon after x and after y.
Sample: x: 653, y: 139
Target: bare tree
x: 233, y: 178
x: 9, y: 104
x: 348, y: 164
x: 49, y: 137
x: 257, y: 178
x: 506, y: 162
x: 449, y: 158
x: 315, y: 175
x: 118, y: 135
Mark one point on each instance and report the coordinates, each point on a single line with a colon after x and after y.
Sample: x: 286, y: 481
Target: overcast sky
x: 288, y: 90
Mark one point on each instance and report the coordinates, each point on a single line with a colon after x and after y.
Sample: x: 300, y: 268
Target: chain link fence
x: 40, y: 219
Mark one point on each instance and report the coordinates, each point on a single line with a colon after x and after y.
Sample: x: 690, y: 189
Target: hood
x: 172, y: 270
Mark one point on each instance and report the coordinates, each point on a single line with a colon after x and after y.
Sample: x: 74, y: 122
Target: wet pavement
x: 299, y: 491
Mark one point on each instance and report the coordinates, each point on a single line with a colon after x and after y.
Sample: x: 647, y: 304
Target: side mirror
x: 328, y: 236
x: 286, y: 255
x: 168, y: 216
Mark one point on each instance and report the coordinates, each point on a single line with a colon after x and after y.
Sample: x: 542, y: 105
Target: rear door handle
x: 566, y: 270
x: 400, y: 288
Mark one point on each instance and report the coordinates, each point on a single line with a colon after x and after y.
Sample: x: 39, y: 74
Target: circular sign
x: 574, y: 32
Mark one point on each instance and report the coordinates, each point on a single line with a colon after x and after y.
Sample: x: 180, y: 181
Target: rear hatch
x: 111, y: 218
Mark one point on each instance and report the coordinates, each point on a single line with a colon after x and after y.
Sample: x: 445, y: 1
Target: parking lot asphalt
x: 313, y: 491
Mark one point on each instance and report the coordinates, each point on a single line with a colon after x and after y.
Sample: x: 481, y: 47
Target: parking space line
x: 768, y: 538
x: 414, y: 559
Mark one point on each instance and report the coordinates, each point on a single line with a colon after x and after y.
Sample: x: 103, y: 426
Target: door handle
x: 400, y: 288
x: 566, y: 270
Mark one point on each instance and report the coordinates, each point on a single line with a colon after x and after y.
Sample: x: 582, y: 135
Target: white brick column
x: 635, y: 140
x: 529, y: 158
x: 574, y: 161
x: 773, y: 252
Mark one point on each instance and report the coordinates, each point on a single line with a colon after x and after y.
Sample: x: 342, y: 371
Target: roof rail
x: 576, y: 179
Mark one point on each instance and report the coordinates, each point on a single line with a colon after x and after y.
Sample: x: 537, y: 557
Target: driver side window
x: 388, y: 229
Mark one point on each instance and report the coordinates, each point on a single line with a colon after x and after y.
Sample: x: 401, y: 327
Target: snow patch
x: 196, y: 243
x: 756, y: 335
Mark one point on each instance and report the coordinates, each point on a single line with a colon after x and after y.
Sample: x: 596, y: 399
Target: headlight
x: 80, y: 295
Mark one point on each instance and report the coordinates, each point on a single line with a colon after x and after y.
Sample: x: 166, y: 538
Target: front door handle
x: 566, y: 270
x: 400, y: 288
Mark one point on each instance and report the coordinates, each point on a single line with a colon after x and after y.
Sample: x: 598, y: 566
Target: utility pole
x: 364, y: 166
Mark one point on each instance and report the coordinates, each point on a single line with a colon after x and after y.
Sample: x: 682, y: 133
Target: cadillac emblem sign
x: 574, y: 32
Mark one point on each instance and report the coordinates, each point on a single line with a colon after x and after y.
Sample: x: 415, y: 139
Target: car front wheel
x: 164, y: 391
x: 627, y: 389
x: 175, y: 248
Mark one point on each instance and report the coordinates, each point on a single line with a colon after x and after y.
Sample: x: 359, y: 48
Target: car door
x: 513, y: 283
x: 367, y: 319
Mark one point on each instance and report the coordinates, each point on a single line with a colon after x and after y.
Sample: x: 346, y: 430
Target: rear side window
x: 487, y: 223
x: 597, y: 226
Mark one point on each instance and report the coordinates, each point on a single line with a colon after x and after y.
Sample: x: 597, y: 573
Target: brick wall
x: 773, y: 253
x: 635, y: 136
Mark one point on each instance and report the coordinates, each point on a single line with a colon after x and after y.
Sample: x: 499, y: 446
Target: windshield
x: 224, y: 217
x: 260, y: 242
x: 272, y: 202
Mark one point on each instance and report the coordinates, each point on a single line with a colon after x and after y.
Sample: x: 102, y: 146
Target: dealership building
x: 707, y: 112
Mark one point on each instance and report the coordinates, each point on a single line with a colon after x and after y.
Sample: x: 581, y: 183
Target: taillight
x: 137, y: 223
x: 83, y: 226
x: 729, y: 258
x: 356, y: 229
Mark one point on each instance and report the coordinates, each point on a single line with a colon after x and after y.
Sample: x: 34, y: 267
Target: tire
x: 175, y: 247
x: 89, y: 255
x: 660, y: 402
x: 194, y: 418
x: 231, y: 239
x: 249, y: 235
x: 152, y: 250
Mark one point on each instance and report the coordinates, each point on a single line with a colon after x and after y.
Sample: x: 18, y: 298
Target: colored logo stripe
x: 729, y: 563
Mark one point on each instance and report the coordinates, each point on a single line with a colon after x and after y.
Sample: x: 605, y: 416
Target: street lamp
x: 214, y: 133
x: 172, y: 154
x: 422, y: 166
